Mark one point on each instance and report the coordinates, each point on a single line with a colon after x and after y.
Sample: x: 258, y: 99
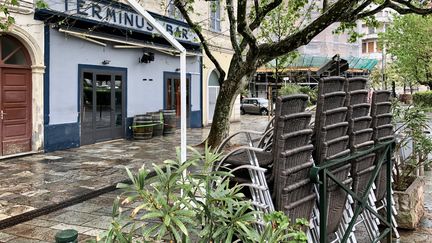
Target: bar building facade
x: 105, y: 64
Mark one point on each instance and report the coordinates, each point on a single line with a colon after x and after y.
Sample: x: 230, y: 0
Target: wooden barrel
x: 170, y: 121
x: 157, y: 118
x: 142, y: 127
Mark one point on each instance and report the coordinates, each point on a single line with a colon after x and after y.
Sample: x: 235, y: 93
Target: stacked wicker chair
x: 253, y: 166
x: 331, y: 142
x: 361, y: 139
x: 383, y: 131
x: 293, y: 191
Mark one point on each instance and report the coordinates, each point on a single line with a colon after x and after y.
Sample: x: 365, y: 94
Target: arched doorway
x: 15, y: 97
x: 213, y: 91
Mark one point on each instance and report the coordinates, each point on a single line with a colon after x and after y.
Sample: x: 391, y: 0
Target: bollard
x: 67, y: 236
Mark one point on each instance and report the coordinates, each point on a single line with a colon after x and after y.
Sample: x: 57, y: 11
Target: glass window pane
x: 370, y: 47
x: 103, y: 101
x: 8, y: 46
x: 18, y: 58
x: 118, y: 84
x: 213, y: 79
x: 87, y: 106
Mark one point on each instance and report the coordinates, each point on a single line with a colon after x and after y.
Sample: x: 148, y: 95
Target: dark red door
x: 15, y: 97
x: 15, y: 113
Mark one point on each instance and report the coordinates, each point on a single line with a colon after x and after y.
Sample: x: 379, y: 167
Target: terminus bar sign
x: 117, y: 14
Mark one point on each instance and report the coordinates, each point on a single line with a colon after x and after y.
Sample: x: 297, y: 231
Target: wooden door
x: 15, y: 113
x: 15, y: 97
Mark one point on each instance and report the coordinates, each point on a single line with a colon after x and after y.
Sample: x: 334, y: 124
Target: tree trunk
x: 222, y: 114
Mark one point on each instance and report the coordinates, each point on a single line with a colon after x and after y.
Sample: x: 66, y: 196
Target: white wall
x: 66, y: 52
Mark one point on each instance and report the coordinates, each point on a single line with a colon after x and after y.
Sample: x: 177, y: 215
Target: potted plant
x: 411, y: 153
x: 180, y: 206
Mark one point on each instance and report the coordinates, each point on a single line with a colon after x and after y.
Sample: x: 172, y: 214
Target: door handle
x: 2, y: 113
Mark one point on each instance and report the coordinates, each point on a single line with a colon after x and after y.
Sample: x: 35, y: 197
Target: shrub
x: 423, y: 98
x: 413, y: 122
x: 289, y: 89
x: 200, y: 206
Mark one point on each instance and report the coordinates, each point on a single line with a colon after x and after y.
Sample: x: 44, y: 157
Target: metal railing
x: 321, y: 175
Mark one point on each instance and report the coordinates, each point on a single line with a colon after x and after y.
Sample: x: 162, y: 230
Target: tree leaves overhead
x: 252, y: 27
x: 408, y: 40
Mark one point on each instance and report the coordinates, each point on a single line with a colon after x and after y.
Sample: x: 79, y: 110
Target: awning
x: 313, y: 63
x: 101, y: 39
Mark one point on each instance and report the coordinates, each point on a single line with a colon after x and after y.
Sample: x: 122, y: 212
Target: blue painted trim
x: 201, y: 90
x: 103, y: 68
x: 61, y: 136
x: 46, y: 86
x: 195, y: 119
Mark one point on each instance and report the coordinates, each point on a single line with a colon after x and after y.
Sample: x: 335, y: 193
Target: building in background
x: 370, y: 48
x: 215, y: 27
x: 304, y: 70
x: 21, y: 83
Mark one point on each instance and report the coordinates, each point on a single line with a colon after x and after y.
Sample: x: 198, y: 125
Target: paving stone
x: 18, y: 229
x: 105, y: 211
x: 39, y: 233
x: 63, y: 226
x: 41, y: 222
x: 101, y: 222
x: 76, y: 218
x: 26, y: 240
x: 94, y: 232
x: 84, y: 207
x: 53, y: 157
x: 6, y: 237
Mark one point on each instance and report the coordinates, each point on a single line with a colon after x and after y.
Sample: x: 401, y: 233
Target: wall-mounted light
x: 106, y: 62
x: 147, y: 57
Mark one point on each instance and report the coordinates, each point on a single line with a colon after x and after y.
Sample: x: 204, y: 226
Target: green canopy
x: 318, y: 61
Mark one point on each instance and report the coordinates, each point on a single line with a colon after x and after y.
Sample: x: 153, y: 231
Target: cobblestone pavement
x: 31, y: 182
x: 93, y: 216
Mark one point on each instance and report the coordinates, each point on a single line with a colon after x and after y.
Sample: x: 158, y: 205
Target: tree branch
x: 373, y: 11
x: 233, y: 31
x: 410, y: 8
x: 361, y: 7
x: 196, y: 28
x: 400, y: 6
x: 260, y: 14
x: 243, y: 27
x: 304, y: 36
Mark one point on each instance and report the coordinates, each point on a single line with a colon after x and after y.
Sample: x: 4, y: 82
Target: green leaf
x: 167, y: 220
x: 181, y: 226
x: 152, y: 215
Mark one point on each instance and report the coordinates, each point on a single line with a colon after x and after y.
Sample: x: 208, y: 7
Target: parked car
x: 254, y: 106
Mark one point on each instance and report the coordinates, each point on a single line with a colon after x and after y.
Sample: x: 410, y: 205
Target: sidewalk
x: 33, y: 182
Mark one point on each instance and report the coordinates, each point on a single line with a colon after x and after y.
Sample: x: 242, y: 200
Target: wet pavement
x: 31, y: 182
x: 28, y: 183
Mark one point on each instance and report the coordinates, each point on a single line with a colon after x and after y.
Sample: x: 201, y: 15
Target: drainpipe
x: 139, y: 9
